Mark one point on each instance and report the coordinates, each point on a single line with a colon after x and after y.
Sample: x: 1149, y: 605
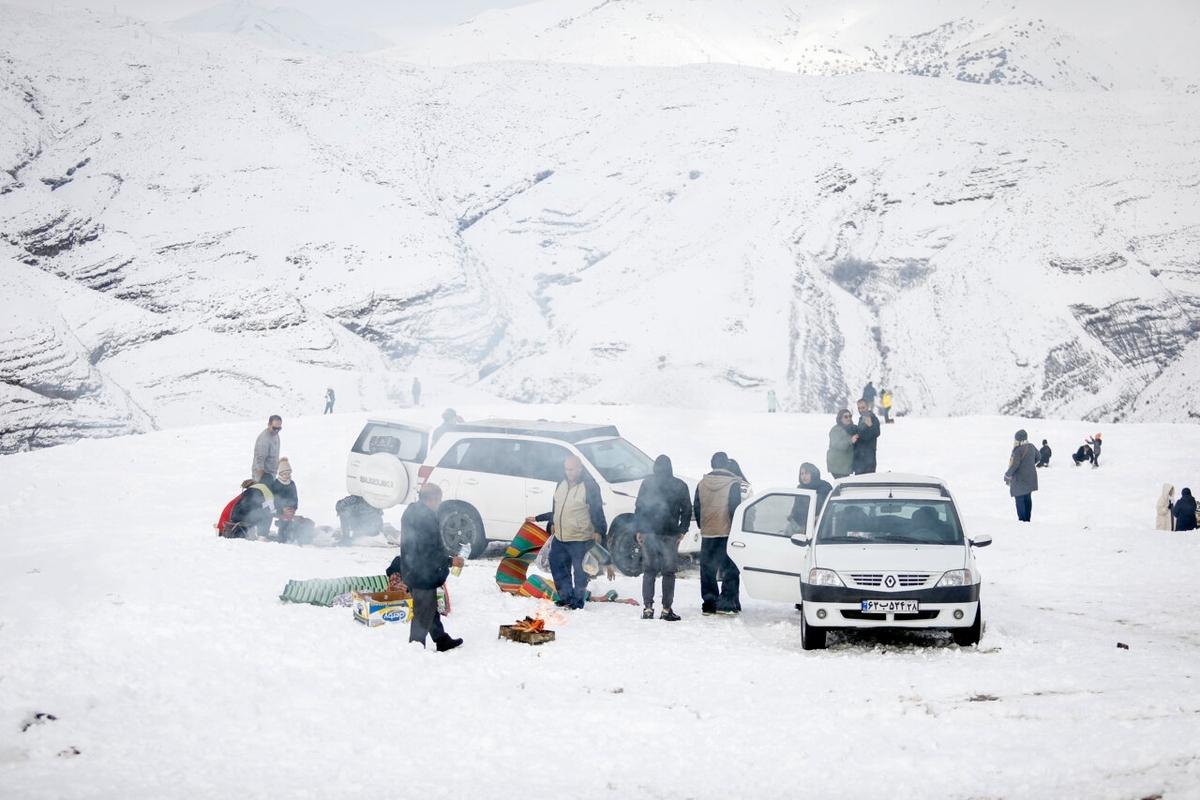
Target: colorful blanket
x: 512, y: 574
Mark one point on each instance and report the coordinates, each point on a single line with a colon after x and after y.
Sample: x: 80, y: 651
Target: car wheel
x: 811, y: 637
x: 461, y: 525
x: 623, y: 547
x: 965, y: 637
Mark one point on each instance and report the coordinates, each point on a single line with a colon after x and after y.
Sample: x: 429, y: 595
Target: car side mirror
x: 799, y: 539
x: 981, y: 541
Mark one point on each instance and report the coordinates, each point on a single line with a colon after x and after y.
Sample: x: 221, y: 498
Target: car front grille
x: 847, y: 614
x: 904, y: 580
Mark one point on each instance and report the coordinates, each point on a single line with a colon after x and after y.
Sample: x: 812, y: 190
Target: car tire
x: 811, y: 637
x: 965, y: 637
x: 460, y: 524
x: 623, y: 546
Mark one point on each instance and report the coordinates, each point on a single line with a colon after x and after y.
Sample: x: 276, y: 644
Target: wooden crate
x: 528, y: 637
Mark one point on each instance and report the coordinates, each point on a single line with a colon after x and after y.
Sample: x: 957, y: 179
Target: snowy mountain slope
x: 1068, y: 44
x: 280, y: 28
x: 551, y: 232
x: 177, y: 672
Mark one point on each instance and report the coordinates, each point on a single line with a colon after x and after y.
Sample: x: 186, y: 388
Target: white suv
x: 888, y: 551
x: 494, y: 473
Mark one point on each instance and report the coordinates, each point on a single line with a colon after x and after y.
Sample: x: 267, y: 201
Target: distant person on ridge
x: 1021, y: 475
x: 868, y: 437
x: 329, y: 400
x: 416, y: 391
x: 772, y: 402
x: 266, y: 450
x: 717, y: 496
x: 839, y: 458
x: 1044, y: 454
x: 662, y: 514
x: 885, y: 403
x: 868, y: 394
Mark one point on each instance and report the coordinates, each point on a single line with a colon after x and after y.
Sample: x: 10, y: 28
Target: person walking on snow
x: 662, y: 514
x: 717, y: 497
x: 329, y: 400
x: 576, y: 521
x: 1021, y: 475
x: 266, y: 450
x: 839, y: 458
x: 772, y: 402
x: 416, y: 391
x: 868, y: 437
x: 1185, y: 511
x: 1163, y: 507
x: 425, y: 565
x: 885, y: 402
x: 868, y: 394
x: 1044, y: 455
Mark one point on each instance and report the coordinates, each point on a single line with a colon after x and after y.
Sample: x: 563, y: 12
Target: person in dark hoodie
x: 287, y: 499
x: 254, y: 511
x: 868, y: 437
x: 1021, y: 475
x: 424, y: 566
x: 810, y: 478
x: 576, y: 521
x: 717, y: 497
x: 1185, y: 511
x: 1044, y: 453
x: 662, y: 514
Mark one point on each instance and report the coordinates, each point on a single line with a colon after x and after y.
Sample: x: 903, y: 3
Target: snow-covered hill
x: 1067, y: 44
x: 194, y: 228
x: 278, y: 28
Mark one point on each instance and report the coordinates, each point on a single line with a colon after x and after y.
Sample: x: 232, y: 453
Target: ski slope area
x: 195, y: 228
x: 173, y: 669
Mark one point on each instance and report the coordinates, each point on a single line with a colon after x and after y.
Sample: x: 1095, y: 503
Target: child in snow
x: 1095, y: 443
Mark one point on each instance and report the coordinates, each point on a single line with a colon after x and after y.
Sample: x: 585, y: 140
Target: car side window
x: 772, y: 514
x: 542, y: 461
x: 475, y: 455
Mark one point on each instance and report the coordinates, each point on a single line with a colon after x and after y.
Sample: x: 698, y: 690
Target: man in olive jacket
x: 424, y: 566
x: 717, y: 497
x: 576, y: 522
x: 1021, y: 476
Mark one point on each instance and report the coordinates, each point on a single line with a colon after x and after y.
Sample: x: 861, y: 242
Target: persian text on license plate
x: 891, y: 606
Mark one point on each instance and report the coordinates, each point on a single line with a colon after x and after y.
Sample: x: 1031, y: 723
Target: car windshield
x: 890, y: 522
x: 617, y: 460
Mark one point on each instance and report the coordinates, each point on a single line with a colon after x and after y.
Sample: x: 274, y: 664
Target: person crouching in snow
x: 1184, y: 511
x: 254, y: 511
x: 1084, y: 453
x: 576, y: 520
x: 1163, y: 508
x: 425, y: 565
x: 287, y: 500
x: 1021, y: 475
x: 663, y: 512
x: 1044, y: 454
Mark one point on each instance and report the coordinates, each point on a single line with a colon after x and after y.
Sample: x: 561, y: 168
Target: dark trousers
x: 425, y: 619
x: 566, y: 565
x: 715, y: 565
x: 328, y: 407
x: 1024, y: 507
x: 660, y: 556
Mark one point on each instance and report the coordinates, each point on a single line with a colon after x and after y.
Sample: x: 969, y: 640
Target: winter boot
x: 648, y: 612
x: 447, y: 644
x: 669, y: 615
x: 708, y: 609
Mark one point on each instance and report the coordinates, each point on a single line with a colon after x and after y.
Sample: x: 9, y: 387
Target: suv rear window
x: 407, y: 444
x: 517, y: 457
x: 617, y: 460
x: 889, y: 522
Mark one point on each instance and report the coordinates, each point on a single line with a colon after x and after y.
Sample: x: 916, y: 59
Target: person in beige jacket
x: 576, y: 523
x: 717, y: 497
x: 1166, y: 501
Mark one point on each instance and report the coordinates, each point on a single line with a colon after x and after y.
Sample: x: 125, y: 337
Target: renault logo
x: 890, y: 581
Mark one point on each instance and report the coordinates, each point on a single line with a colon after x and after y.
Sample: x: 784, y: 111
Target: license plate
x: 891, y: 606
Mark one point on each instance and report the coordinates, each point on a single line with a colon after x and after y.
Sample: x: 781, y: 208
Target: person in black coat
x: 1185, y: 511
x: 424, y: 566
x: 287, y: 499
x: 1084, y: 453
x: 810, y: 478
x: 662, y: 515
x: 254, y: 511
x: 1044, y: 453
x: 868, y: 436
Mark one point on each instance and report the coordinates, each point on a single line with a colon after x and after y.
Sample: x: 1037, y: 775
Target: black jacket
x: 663, y: 506
x: 864, y: 448
x: 249, y: 509
x: 821, y: 487
x: 286, y: 495
x: 595, y: 504
x: 1044, y: 455
x: 424, y: 562
x: 1185, y: 513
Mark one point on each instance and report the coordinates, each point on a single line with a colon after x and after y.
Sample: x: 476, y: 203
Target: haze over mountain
x: 197, y: 227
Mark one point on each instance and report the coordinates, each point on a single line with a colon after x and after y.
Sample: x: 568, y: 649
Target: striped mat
x: 322, y: 591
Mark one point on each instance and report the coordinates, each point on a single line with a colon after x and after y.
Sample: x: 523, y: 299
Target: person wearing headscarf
x: 1162, y: 508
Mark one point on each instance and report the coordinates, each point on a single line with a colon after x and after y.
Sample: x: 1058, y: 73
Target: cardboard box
x: 379, y: 608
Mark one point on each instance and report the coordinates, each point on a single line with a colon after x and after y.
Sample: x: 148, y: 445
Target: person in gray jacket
x: 839, y: 458
x: 266, y: 450
x: 1021, y: 475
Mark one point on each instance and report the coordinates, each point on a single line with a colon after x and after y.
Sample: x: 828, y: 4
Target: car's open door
x: 768, y: 542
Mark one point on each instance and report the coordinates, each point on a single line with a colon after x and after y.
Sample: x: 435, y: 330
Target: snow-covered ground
x: 174, y: 671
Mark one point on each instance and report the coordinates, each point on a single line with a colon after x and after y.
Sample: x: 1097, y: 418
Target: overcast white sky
x: 399, y: 20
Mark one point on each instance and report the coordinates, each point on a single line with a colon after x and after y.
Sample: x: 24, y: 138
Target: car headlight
x: 957, y: 577
x: 824, y: 577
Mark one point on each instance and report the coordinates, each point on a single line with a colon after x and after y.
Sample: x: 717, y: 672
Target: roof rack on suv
x: 563, y: 431
x: 873, y: 486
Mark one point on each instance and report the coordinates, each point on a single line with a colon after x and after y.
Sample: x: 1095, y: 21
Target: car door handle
x: 737, y: 544
x: 470, y: 481
x: 535, y: 490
